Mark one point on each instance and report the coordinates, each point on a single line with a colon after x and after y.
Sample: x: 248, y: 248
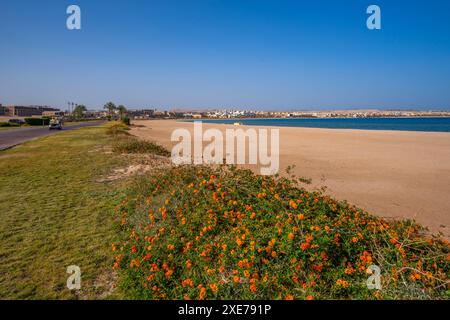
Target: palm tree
x: 122, y: 110
x: 110, y: 107
x: 79, y: 111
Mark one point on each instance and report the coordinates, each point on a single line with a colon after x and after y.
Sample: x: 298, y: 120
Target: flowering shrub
x: 224, y: 233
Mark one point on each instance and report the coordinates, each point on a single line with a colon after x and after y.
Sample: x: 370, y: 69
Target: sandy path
x: 388, y: 173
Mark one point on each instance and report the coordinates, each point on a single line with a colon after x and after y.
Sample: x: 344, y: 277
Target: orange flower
x: 366, y: 257
x: 393, y: 240
x: 202, y: 293
x: 309, y: 298
x: 415, y: 276
x: 147, y: 256
x: 135, y: 263
x: 300, y: 216
x: 274, y: 254
x: 350, y: 270
x: 244, y: 263
x: 170, y: 246
x: 291, y: 236
x: 236, y: 279
x: 187, y: 283
x: 188, y: 264
x: 168, y: 273
x: 293, y: 204
x: 164, y: 213
x: 342, y: 283
x: 289, y: 297
x: 305, y: 245
x: 253, y: 287
x: 214, y: 287
x: 354, y: 239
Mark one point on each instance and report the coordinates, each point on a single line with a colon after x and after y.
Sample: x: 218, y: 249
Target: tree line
x: 112, y: 108
x: 81, y: 109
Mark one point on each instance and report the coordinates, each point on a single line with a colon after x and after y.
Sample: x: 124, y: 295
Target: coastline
x: 310, y: 118
x: 394, y: 174
x: 284, y: 123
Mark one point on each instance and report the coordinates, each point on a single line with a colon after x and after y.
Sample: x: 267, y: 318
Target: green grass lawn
x: 54, y: 213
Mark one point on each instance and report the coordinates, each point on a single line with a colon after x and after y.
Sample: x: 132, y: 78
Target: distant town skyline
x: 196, y: 109
x: 205, y: 55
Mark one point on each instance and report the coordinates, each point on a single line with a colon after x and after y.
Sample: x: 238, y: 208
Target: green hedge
x: 8, y: 124
x: 37, y: 121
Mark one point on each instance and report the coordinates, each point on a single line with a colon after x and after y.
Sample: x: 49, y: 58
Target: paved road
x: 13, y: 137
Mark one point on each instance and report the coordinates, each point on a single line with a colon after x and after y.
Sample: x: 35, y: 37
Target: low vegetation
x: 126, y: 121
x: 125, y: 143
x: 192, y: 232
x: 223, y: 233
x: 134, y: 145
x: 8, y: 124
x: 54, y: 214
x: 57, y: 209
x: 44, y: 121
x: 117, y: 129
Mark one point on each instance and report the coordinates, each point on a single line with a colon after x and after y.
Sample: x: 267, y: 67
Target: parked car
x: 55, y: 124
x: 17, y: 121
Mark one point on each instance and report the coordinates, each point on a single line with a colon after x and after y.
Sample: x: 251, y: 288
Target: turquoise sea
x: 435, y: 124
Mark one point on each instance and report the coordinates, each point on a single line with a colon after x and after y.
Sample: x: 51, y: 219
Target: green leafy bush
x: 37, y: 121
x: 220, y: 233
x: 126, y: 120
x: 8, y: 124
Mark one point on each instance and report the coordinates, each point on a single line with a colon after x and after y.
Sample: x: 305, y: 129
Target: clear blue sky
x: 226, y: 53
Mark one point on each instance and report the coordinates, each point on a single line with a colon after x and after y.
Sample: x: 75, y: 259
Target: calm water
x: 404, y: 124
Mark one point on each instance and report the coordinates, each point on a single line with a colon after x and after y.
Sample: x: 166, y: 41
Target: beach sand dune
x: 394, y: 174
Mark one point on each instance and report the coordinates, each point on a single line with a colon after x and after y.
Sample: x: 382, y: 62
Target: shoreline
x: 311, y: 118
x: 394, y: 174
x: 213, y: 121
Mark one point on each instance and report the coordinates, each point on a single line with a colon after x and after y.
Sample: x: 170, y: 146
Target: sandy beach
x: 394, y: 174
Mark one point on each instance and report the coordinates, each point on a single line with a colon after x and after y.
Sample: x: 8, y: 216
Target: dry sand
x: 394, y: 174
